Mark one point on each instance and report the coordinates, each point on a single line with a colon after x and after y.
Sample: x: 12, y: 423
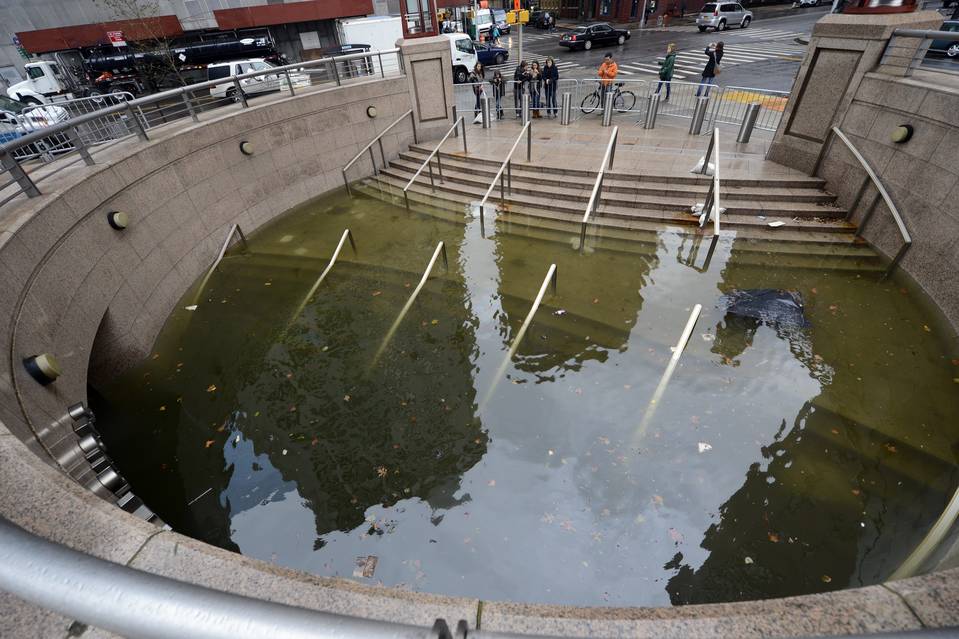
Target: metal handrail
x: 507, y: 166
x: 931, y: 541
x: 440, y: 250
x: 550, y: 278
x: 917, y: 58
x: 607, y: 163
x: 316, y: 285
x: 439, y: 164
x: 378, y: 139
x: 881, y: 192
x: 235, y: 229
x: 668, y: 373
x: 712, y: 208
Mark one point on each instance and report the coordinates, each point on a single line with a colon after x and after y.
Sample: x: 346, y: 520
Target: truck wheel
x: 459, y: 75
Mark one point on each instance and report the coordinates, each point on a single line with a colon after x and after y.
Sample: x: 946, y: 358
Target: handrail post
x: 432, y: 183
x: 413, y: 123
x: 336, y: 72
x: 289, y: 81
x: 612, y: 153
x: 379, y: 141
x: 709, y: 151
x: 373, y: 161
x: 24, y: 181
x: 456, y: 133
x: 240, y: 94
x: 346, y: 181
x: 529, y: 142
x: 716, y: 181
x: 439, y: 166
x: 509, y: 176
x: 137, y: 125
x: 189, y: 106
x: 347, y: 235
x: 74, y: 136
x: 463, y: 123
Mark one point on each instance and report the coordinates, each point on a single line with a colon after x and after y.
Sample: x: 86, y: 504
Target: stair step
x: 798, y: 181
x: 557, y: 208
x: 635, y: 184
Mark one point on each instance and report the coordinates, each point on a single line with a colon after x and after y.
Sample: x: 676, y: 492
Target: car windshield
x: 484, y: 18
x: 500, y: 16
x: 579, y: 30
x: 9, y: 104
x: 708, y: 8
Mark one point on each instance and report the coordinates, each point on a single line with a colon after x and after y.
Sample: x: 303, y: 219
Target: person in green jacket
x: 666, y: 72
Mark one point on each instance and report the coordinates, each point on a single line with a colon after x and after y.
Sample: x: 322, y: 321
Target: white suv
x: 722, y: 15
x: 251, y: 86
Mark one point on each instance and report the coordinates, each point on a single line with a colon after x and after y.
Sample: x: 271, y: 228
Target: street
x: 765, y: 55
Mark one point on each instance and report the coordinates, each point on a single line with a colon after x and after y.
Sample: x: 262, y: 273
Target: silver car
x: 722, y: 15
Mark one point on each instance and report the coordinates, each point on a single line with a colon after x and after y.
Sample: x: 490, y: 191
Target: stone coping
x: 44, y: 500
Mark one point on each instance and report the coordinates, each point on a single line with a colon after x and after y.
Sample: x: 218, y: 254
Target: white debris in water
x: 300, y: 251
x: 286, y: 239
x: 559, y: 311
x: 748, y: 560
x: 703, y: 447
x: 284, y: 451
x: 708, y: 337
x: 237, y: 440
x: 191, y: 307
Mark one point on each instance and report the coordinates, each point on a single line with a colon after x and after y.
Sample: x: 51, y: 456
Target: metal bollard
x: 484, y: 109
x: 749, y: 121
x: 525, y: 111
x: 567, y: 107
x: 608, y: 109
x: 702, y: 106
x: 652, y: 108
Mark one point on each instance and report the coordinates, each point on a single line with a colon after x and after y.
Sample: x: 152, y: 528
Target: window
x: 35, y: 73
x: 464, y: 45
x: 708, y: 8
x: 728, y: 8
x: 261, y: 66
x: 55, y: 69
x: 604, y: 7
x: 601, y: 28
x: 215, y: 73
x: 8, y: 104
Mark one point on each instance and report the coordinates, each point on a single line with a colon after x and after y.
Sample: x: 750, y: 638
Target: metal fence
x: 727, y: 105
x: 85, y: 133
x: 911, y: 49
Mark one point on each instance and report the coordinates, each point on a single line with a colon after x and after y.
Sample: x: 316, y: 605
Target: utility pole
x: 520, y: 58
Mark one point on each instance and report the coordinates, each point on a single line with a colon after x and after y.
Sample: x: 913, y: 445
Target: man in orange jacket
x: 607, y: 73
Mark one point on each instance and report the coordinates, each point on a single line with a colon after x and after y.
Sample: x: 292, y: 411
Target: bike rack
x: 440, y: 250
x: 347, y: 235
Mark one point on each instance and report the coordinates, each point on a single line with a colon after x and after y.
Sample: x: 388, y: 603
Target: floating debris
x: 560, y: 312
x: 365, y: 566
x: 191, y: 307
x: 748, y: 560
x: 703, y: 447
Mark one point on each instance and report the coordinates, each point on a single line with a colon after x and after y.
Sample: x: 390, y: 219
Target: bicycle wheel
x: 625, y: 101
x: 590, y: 103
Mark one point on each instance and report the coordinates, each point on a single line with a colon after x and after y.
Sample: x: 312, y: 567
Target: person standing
x: 520, y: 86
x: 499, y: 86
x: 476, y: 78
x: 666, y: 72
x: 715, y: 54
x: 495, y: 32
x: 535, y: 88
x: 607, y: 74
x: 551, y: 86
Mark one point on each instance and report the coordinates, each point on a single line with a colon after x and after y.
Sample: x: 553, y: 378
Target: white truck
x: 463, y: 54
x: 45, y: 83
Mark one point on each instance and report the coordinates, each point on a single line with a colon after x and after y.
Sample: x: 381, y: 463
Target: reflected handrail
x: 347, y: 235
x: 711, y: 208
x: 234, y: 229
x: 507, y: 166
x: 440, y: 250
x: 881, y: 192
x: 550, y: 278
x: 378, y: 139
x: 429, y: 159
x: 931, y: 541
x: 607, y: 163
x: 670, y: 369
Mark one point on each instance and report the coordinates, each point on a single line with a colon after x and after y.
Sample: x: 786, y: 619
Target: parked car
x: 499, y: 16
x: 16, y: 120
x: 489, y: 54
x: 251, y: 86
x: 948, y: 48
x: 538, y: 19
x: 722, y: 15
x: 807, y: 3
x: 588, y: 36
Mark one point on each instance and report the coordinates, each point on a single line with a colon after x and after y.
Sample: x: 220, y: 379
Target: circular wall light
x: 246, y: 147
x: 902, y: 133
x: 371, y: 111
x: 44, y: 368
x: 118, y: 220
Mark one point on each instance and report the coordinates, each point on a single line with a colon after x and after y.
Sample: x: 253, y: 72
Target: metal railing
x: 234, y: 230
x: 102, y: 130
x: 594, y: 197
x: 193, y: 101
x: 378, y: 140
x: 505, y: 172
x: 880, y: 193
x: 439, y: 163
x: 711, y: 203
x: 316, y: 285
x: 939, y: 531
x: 930, y: 55
x: 440, y: 250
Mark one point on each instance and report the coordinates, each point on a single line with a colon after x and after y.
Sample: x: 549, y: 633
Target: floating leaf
x: 162, y: 408
x: 365, y: 566
x: 382, y: 471
x: 346, y: 398
x: 435, y: 322
x: 748, y: 560
x: 926, y: 328
x: 826, y: 579
x: 211, y: 388
x: 375, y: 293
x: 856, y: 491
x: 773, y: 537
x: 891, y: 448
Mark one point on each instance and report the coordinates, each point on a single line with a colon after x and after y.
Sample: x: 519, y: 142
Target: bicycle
x: 623, y: 101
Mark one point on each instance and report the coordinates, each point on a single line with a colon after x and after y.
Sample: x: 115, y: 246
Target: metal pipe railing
x: 439, y: 164
x: 711, y: 203
x: 506, y: 181
x: 668, y: 373
x: 916, y: 58
x: 235, y: 229
x: 369, y: 147
x: 440, y: 250
x: 550, y: 278
x: 914, y: 562
x: 607, y: 163
x: 316, y: 285
x: 903, y: 231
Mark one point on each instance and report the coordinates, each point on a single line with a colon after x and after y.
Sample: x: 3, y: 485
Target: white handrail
x: 598, y: 185
x: 316, y: 285
x: 931, y: 541
x: 429, y: 159
x: 527, y: 129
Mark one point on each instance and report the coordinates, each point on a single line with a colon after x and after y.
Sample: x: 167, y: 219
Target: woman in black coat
x: 520, y: 85
x: 550, y: 84
x: 715, y: 54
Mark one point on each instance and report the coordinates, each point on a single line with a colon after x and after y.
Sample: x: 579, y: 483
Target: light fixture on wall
x: 902, y: 133
x: 118, y: 220
x: 44, y: 368
x: 246, y: 147
x: 371, y: 111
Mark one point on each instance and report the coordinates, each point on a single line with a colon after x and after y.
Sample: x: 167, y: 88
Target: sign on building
x: 116, y: 38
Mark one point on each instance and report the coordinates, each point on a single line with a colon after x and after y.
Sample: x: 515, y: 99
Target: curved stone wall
x: 70, y: 281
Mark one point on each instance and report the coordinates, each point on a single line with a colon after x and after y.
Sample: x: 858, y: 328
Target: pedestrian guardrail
x: 911, y: 49
x: 439, y: 162
x: 70, y: 142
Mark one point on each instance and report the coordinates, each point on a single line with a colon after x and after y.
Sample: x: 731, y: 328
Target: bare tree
x: 157, y: 60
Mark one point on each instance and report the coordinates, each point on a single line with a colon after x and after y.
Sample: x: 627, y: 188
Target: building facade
x: 301, y: 29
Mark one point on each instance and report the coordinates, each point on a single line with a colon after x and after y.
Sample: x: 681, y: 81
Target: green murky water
x: 779, y: 461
